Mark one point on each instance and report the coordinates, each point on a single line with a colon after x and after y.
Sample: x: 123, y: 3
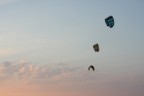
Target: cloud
x: 34, y: 74
x: 62, y: 78
x: 7, y: 51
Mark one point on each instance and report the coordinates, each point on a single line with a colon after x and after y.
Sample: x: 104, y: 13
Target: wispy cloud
x: 32, y: 72
x: 7, y: 51
x: 64, y: 79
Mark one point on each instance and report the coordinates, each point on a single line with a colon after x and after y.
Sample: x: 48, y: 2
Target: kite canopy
x: 109, y: 21
x: 96, y: 47
x: 91, y: 67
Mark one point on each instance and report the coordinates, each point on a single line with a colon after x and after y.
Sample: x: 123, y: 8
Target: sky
x: 46, y: 47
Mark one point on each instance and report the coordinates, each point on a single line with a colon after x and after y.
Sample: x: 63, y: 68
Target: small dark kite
x: 91, y: 67
x: 96, y: 47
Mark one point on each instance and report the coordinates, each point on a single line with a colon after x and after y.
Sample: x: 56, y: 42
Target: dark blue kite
x: 109, y: 21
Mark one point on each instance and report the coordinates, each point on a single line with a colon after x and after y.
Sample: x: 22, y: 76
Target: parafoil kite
x: 91, y: 67
x: 109, y: 21
x: 96, y: 47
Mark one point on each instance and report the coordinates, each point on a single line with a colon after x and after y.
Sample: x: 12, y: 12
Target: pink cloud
x: 66, y: 80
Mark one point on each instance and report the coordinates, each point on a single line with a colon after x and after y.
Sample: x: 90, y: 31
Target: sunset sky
x: 46, y: 47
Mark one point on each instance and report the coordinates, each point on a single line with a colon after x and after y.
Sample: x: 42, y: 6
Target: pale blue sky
x: 65, y: 30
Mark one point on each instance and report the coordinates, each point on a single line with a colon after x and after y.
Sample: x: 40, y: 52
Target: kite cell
x: 96, y: 47
x: 109, y: 21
